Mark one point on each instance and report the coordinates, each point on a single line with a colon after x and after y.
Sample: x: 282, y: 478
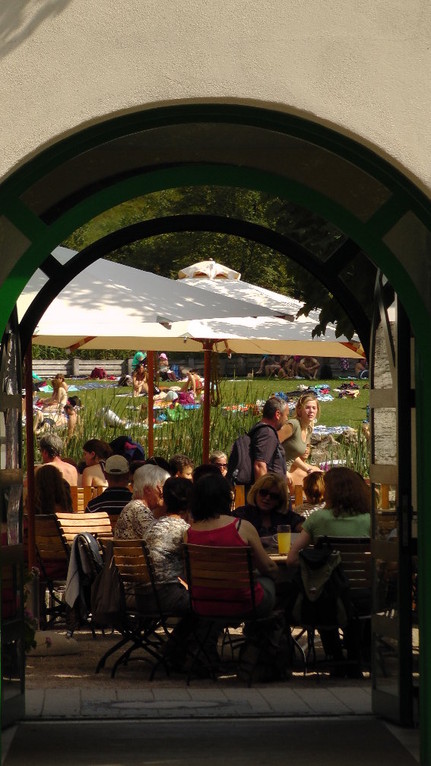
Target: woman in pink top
x: 213, y: 525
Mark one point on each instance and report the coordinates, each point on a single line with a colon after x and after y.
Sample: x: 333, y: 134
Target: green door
x: 394, y: 545
x: 11, y: 552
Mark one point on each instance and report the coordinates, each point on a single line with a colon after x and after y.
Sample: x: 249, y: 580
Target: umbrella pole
x: 31, y: 551
x: 208, y: 345
x: 150, y: 368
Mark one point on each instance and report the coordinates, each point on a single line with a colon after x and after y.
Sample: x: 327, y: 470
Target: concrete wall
x: 362, y: 67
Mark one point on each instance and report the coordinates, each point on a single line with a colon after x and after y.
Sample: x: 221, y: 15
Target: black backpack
x: 322, y: 588
x: 240, y: 461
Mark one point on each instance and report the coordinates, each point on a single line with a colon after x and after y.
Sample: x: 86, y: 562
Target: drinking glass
x: 283, y: 538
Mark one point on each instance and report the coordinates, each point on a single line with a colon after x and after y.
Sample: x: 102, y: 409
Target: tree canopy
x: 166, y: 254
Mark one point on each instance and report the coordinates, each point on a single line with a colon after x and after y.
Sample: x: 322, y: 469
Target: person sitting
x: 219, y: 458
x: 193, y: 382
x: 288, y: 367
x: 165, y: 373
x: 308, y: 367
x: 140, y: 356
x: 212, y: 524
x: 146, y: 505
x: 140, y: 379
x: 313, y: 487
x: 71, y: 410
x: 96, y: 452
x: 361, y: 368
x: 204, y: 469
x: 181, y: 466
x: 164, y: 539
x: 51, y: 491
x: 268, y: 505
x: 346, y: 514
x: 51, y: 447
x: 117, y: 495
x: 157, y: 460
x: 52, y: 409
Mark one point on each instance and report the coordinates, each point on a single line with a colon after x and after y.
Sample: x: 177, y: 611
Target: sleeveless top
x: 204, y: 599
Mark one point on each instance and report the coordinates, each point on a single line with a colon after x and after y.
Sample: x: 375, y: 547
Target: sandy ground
x: 51, y: 670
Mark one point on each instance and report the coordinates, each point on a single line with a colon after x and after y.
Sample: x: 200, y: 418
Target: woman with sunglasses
x: 295, y: 437
x: 268, y: 504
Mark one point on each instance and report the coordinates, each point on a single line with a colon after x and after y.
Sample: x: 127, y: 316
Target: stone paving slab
x: 192, y: 702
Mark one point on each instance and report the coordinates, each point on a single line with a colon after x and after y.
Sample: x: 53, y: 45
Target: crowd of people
x: 167, y: 501
x: 61, y: 412
x: 289, y: 367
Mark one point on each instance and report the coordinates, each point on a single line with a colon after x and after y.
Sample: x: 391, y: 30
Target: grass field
x: 184, y: 435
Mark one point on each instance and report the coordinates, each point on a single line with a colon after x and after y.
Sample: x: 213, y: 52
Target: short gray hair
x: 217, y: 454
x: 52, y: 444
x: 148, y: 476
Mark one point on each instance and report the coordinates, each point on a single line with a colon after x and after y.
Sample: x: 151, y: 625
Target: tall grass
x: 238, y: 412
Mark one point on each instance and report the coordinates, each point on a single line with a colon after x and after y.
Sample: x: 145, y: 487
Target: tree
x: 166, y: 254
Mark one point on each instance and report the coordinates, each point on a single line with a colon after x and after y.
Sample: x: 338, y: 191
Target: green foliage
x: 227, y: 421
x: 167, y: 253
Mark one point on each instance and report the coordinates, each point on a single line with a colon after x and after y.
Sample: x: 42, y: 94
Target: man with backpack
x: 268, y: 455
x: 260, y: 452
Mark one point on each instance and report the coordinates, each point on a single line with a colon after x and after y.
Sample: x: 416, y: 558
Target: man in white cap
x: 117, y: 494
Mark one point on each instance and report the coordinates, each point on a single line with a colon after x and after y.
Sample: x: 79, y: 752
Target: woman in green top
x: 295, y: 437
x: 346, y: 512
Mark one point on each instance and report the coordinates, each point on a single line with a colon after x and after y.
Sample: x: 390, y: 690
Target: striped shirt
x: 112, y: 501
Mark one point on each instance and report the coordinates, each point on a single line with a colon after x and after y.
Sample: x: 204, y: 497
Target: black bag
x: 266, y: 654
x: 128, y: 448
x: 323, y: 591
x: 108, y: 602
x: 240, y: 466
x: 241, y: 459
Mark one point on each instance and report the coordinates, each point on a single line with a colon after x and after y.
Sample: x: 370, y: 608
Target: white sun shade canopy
x: 112, y: 301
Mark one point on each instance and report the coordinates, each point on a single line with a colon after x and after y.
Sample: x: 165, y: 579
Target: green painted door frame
x: 29, y: 232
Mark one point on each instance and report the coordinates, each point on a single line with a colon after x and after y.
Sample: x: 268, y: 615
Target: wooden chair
x: 356, y: 563
x: 71, y: 524
x: 143, y: 616
x: 218, y: 579
x: 82, y: 495
x: 53, y: 558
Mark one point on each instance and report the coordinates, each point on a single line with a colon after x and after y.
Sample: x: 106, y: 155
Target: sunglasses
x: 267, y: 493
x: 221, y: 465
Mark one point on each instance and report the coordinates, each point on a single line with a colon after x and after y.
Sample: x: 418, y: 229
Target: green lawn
x: 227, y: 421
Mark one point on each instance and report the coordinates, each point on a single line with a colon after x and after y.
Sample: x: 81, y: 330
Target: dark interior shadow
x: 20, y: 18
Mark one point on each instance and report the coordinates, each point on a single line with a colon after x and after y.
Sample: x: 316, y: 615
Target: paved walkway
x: 201, y: 699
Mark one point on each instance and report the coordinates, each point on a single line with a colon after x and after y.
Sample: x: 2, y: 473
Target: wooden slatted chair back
x: 131, y: 562
x: 356, y: 560
x: 82, y: 495
x: 49, y: 543
x: 224, y: 574
x: 71, y: 524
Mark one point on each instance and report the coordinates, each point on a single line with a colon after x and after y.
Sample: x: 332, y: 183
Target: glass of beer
x: 283, y: 538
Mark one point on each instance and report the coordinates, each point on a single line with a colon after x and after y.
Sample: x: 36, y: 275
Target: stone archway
x: 378, y: 209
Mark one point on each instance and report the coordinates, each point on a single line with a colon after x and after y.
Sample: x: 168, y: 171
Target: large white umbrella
x: 217, y: 279
x: 110, y: 303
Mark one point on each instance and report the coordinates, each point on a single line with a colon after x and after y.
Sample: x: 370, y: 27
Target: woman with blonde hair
x: 268, y: 504
x: 295, y: 437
